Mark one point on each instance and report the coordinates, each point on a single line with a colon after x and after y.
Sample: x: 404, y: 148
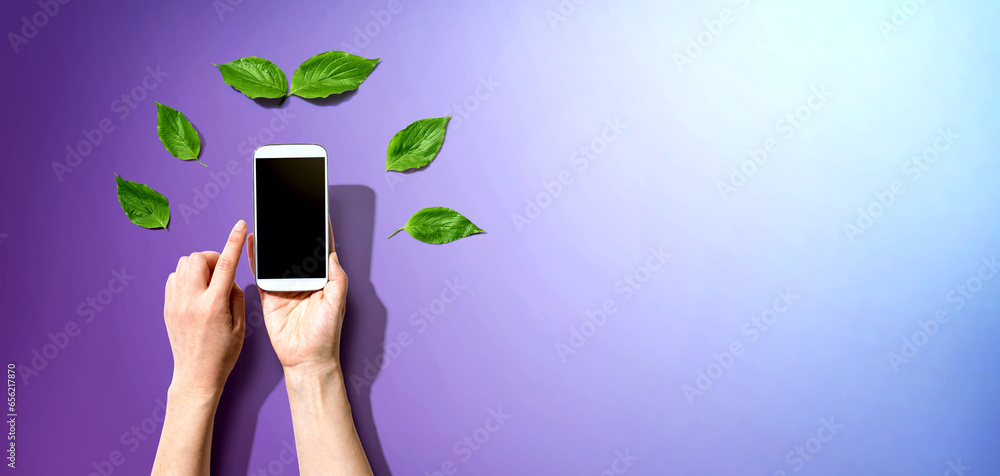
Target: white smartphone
x: 291, y: 214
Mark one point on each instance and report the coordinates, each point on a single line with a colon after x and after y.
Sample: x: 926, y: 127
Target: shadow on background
x: 257, y: 372
x: 254, y: 377
x: 352, y: 212
x: 332, y: 100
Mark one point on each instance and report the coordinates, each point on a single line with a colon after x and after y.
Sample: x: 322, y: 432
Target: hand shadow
x: 258, y: 371
x: 254, y: 377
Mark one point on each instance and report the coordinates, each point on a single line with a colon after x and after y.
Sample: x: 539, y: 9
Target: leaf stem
x: 200, y: 162
x: 282, y: 101
x: 394, y: 233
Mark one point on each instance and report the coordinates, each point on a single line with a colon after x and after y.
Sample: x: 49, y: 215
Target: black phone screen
x: 291, y: 227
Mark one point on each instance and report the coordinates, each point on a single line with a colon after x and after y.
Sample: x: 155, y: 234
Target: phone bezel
x: 292, y: 151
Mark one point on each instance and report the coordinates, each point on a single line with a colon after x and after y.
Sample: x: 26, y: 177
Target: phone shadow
x: 258, y: 371
x: 352, y: 212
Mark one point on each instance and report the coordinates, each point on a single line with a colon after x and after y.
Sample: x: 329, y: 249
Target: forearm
x: 325, y: 437
x: 186, y: 441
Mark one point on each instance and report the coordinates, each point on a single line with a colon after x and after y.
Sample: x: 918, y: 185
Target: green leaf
x: 329, y: 73
x: 255, y: 77
x: 438, y: 225
x: 417, y: 145
x: 142, y: 205
x: 177, y: 134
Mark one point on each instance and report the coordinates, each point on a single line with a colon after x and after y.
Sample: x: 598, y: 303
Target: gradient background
x: 655, y: 185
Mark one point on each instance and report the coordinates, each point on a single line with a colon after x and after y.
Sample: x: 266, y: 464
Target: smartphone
x: 291, y: 214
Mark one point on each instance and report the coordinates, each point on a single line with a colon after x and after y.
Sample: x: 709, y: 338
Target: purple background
x: 554, y: 88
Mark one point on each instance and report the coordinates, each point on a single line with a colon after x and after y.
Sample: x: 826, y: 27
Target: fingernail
x: 240, y: 226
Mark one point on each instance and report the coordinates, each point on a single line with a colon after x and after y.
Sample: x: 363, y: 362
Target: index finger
x: 224, y: 274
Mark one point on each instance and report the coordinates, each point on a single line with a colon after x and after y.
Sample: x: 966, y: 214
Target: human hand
x: 203, y: 310
x: 305, y: 326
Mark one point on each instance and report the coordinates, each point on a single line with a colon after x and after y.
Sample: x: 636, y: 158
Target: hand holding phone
x: 303, y: 291
x: 305, y: 326
x: 292, y: 254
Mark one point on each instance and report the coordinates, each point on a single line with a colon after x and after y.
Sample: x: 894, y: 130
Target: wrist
x: 186, y: 403
x: 313, y: 369
x: 305, y: 376
x: 188, y: 394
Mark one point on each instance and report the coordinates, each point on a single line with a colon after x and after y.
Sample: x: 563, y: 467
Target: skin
x: 204, y: 314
